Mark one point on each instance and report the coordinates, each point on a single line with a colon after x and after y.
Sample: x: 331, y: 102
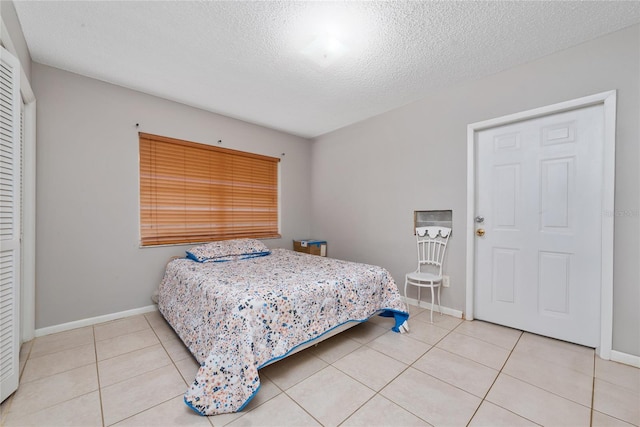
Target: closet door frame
x: 28, y: 255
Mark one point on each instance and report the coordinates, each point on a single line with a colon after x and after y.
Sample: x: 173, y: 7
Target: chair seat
x: 424, y: 277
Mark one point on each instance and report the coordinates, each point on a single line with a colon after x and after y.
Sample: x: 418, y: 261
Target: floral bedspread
x: 236, y: 317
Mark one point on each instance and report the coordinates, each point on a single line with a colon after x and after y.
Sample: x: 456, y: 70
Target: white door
x: 10, y: 174
x: 539, y: 193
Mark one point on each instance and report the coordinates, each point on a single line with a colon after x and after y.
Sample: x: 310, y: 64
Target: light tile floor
x: 134, y: 371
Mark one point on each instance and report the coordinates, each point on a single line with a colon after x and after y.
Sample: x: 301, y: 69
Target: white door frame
x: 28, y: 273
x: 608, y: 99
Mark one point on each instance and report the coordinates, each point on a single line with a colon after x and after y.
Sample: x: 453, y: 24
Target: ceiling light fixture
x: 324, y: 50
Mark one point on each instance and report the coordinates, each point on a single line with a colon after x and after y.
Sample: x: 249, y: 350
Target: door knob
x: 480, y: 232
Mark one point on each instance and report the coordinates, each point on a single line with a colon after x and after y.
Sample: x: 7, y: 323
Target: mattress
x: 236, y: 317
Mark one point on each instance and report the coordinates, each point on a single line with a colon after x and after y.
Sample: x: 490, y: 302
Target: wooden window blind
x: 191, y: 193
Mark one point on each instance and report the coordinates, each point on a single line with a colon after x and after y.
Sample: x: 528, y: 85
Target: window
x: 191, y: 193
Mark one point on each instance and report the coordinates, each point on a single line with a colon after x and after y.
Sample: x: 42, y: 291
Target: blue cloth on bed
x: 399, y: 316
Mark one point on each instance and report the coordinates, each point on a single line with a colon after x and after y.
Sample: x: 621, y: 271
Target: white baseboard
x: 427, y: 305
x: 93, y: 320
x: 616, y: 356
x: 627, y: 359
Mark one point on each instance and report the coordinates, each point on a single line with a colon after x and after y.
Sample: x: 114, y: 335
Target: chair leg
x: 406, y: 298
x: 439, y: 305
x: 432, y: 304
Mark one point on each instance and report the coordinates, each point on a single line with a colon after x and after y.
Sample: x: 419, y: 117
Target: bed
x: 240, y: 307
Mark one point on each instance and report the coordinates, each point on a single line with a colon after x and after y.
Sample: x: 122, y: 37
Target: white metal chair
x: 432, y: 245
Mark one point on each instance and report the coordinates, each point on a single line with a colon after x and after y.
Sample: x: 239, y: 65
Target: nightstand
x: 311, y: 246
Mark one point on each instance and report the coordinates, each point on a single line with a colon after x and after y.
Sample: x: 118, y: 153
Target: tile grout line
x: 548, y: 391
x: 605, y: 380
x: 10, y: 399
x: 57, y: 373
x: 360, y: 346
x: 95, y: 354
x: 358, y: 408
x: 26, y: 360
x: 301, y: 380
x: 172, y: 363
x: 593, y: 390
x: 75, y: 347
x: 484, y: 340
x: 144, y: 410
x: 445, y: 382
x: 129, y: 352
x: 284, y: 391
x: 302, y: 407
x: 423, y: 354
x: 410, y: 365
x: 534, y: 385
x: 123, y: 335
x: 484, y: 398
x: 140, y: 374
x: 375, y: 393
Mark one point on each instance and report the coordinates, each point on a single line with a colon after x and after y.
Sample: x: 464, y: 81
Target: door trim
x: 28, y: 281
x: 608, y: 100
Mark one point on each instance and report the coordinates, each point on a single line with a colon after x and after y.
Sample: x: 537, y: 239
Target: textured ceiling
x: 244, y: 59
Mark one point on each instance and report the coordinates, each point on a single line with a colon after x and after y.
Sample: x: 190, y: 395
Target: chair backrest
x: 432, y: 245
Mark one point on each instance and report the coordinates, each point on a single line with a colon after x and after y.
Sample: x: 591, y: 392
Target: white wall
x: 368, y: 178
x: 88, y: 259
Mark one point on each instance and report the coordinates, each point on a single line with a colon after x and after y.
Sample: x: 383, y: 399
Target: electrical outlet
x: 445, y: 281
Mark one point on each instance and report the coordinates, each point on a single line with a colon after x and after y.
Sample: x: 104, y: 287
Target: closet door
x: 10, y: 176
